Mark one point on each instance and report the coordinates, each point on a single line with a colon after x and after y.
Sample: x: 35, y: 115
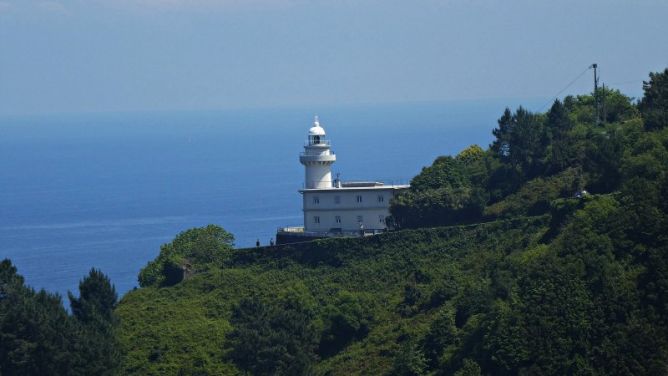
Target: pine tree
x: 654, y: 104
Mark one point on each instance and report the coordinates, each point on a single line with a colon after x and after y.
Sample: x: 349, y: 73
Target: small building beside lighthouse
x: 333, y: 207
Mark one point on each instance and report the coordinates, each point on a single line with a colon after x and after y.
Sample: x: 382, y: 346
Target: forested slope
x: 545, y: 254
x: 359, y: 299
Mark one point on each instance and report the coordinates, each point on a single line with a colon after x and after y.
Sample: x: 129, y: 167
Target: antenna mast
x: 596, y: 99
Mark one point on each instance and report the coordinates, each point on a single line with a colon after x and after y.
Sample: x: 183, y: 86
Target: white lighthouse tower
x: 331, y: 209
x: 317, y: 159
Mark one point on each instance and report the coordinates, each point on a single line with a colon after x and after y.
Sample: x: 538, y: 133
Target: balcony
x: 322, y: 143
x: 292, y: 229
x: 304, y: 157
x: 334, y: 232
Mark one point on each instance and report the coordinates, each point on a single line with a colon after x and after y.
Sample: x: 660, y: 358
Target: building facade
x: 345, y: 209
x: 333, y: 207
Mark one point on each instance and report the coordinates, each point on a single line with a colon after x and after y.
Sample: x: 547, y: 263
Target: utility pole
x: 604, y: 109
x: 598, y: 109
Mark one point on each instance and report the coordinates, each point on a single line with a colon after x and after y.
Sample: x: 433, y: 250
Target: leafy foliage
x: 195, y: 246
x: 409, y: 361
x: 547, y: 156
x: 348, y: 317
x: 270, y: 339
x: 545, y: 254
x: 654, y: 104
x: 39, y: 337
x: 97, y: 298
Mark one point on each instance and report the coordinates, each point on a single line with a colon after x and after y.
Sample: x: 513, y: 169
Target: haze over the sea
x: 123, y: 122
x: 71, y: 56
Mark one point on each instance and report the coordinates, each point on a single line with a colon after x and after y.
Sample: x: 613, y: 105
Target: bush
x: 348, y: 318
x: 194, y: 248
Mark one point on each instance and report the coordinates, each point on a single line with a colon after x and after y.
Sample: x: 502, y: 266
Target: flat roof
x: 368, y: 188
x: 361, y: 184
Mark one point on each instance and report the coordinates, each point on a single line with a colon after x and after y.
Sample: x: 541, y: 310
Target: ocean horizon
x: 106, y: 190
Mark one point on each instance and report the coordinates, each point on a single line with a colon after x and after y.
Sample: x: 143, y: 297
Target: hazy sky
x: 136, y: 55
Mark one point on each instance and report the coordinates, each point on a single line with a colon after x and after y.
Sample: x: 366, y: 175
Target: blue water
x: 106, y: 190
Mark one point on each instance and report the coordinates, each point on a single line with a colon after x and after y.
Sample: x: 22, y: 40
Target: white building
x: 332, y: 207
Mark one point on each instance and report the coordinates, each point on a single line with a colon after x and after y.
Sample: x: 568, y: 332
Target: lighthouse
x: 317, y: 158
x: 336, y: 208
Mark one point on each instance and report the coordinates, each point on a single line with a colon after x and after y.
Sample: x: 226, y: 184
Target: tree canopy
x: 39, y: 337
x: 544, y: 254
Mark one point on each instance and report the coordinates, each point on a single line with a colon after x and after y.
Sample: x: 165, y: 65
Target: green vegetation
x: 39, y: 337
x: 198, y: 247
x: 547, y: 253
x: 360, y: 300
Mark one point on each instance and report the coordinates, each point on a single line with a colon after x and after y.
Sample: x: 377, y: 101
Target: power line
x: 624, y: 83
x: 566, y: 87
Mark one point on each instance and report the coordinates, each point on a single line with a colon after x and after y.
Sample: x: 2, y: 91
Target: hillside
x: 545, y: 254
x: 397, y: 283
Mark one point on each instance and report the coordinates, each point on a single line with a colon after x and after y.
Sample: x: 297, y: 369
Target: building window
x: 338, y: 219
x: 337, y: 199
x: 316, y: 219
x: 381, y: 218
x: 360, y: 219
x: 381, y: 198
x: 316, y: 200
x: 359, y: 198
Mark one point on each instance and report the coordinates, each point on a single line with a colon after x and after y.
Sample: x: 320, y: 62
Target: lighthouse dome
x: 316, y: 129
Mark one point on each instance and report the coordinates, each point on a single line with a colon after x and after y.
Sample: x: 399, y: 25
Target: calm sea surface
x: 107, y: 190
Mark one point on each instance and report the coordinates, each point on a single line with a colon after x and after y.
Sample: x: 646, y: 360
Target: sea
x: 106, y: 190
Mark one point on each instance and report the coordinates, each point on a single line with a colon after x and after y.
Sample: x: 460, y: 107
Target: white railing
x: 352, y: 184
x: 292, y: 229
x: 315, y: 156
x: 299, y: 231
x: 323, y: 142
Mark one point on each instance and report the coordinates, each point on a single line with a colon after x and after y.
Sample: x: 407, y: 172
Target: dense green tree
x: 562, y: 149
x: 445, y: 172
x: 39, y: 337
x: 443, y: 193
x: 617, y: 107
x: 471, y: 155
x: 193, y: 247
x: 97, y: 298
x: 347, y: 318
x: 527, y: 142
x: 409, y: 361
x: 555, y: 310
x: 536, y: 196
x: 94, y: 309
x: 602, y: 163
x: 503, y: 179
x: 520, y: 144
x: 36, y: 334
x: 437, y: 207
x: 442, y: 334
x: 501, y: 144
x: 272, y: 338
x: 654, y: 104
x: 506, y: 342
x: 469, y: 368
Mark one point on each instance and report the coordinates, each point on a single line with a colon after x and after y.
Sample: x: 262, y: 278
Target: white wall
x: 318, y: 176
x: 317, y: 161
x: 326, y: 208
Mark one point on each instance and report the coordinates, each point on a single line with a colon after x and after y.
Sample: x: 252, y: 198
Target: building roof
x: 350, y: 184
x: 362, y: 188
